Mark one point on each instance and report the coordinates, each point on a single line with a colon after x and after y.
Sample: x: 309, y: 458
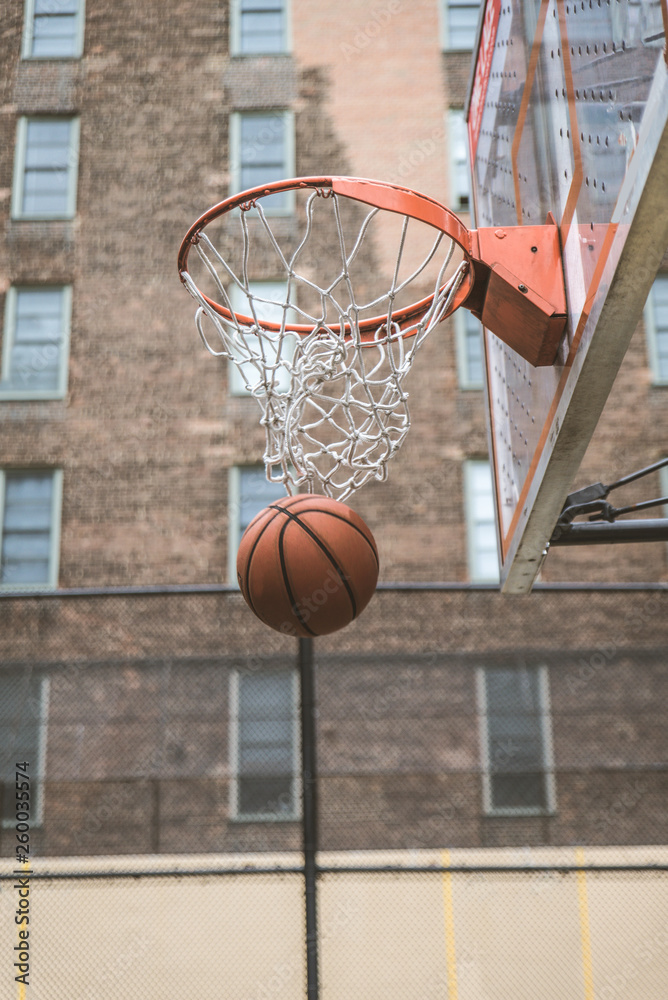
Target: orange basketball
x: 307, y: 565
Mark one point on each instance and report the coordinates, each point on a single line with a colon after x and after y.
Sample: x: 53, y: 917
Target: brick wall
x: 138, y: 728
x: 147, y: 431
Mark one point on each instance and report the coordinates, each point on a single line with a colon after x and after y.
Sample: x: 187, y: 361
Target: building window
x: 45, y: 169
x: 656, y: 329
x: 264, y: 747
x: 30, y: 515
x: 241, y: 382
x: 35, y: 343
x: 468, y: 334
x: 480, y: 522
x: 516, y: 740
x: 23, y: 712
x: 259, y: 27
x: 262, y: 151
x: 459, y: 21
x: 249, y: 492
x: 53, y: 29
x: 458, y: 149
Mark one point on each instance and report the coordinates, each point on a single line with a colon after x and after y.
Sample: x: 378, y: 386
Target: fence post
x: 309, y: 811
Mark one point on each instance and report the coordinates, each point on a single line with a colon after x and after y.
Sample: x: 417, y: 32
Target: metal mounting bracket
x: 518, y: 292
x: 604, y: 528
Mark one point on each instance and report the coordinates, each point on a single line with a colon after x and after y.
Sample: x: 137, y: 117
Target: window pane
x: 54, y: 36
x: 34, y: 362
x: 518, y: 791
x: 26, y: 536
x: 659, y: 295
x: 36, y: 369
x: 20, y: 731
x: 515, y: 739
x: 55, y: 28
x: 45, y: 182
x: 262, y: 32
x: 473, y: 339
x: 266, y: 796
x: 248, y: 6
x: 483, y: 557
x: 662, y: 353
x: 459, y: 161
x: 56, y: 8
x: 265, y: 752
x: 263, y: 155
x: 462, y: 21
x: 251, y: 373
x: 255, y: 492
x: 262, y: 26
x: 48, y: 162
x: 47, y: 143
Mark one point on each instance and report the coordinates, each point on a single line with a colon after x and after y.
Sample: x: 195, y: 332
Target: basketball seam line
x: 296, y: 610
x: 321, y: 545
x: 249, y: 563
x: 331, y: 513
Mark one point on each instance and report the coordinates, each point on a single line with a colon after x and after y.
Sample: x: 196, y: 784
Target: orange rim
x: 389, y: 197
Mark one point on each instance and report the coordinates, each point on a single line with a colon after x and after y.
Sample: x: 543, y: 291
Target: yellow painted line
x: 448, y: 910
x: 585, y: 938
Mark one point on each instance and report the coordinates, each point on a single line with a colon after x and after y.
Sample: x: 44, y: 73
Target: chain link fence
x: 489, y: 774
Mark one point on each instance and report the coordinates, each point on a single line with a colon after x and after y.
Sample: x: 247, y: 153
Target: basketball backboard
x: 567, y: 114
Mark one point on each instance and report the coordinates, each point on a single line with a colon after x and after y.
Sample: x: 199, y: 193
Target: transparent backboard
x: 566, y: 115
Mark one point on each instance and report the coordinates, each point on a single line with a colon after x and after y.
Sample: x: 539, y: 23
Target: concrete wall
x: 478, y: 935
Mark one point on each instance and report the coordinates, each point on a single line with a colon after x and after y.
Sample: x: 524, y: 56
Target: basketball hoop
x: 326, y: 359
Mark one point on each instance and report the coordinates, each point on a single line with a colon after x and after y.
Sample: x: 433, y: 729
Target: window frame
x: 456, y: 123
x: 18, y: 184
x: 54, y: 537
x: 234, y: 531
x: 547, y: 747
x: 37, y: 776
x: 282, y: 817
x: 235, y: 384
x: 658, y: 378
x: 446, y: 45
x: 460, y: 318
x: 29, y: 33
x: 236, y: 166
x: 471, y: 548
x: 235, y: 33
x: 9, y: 339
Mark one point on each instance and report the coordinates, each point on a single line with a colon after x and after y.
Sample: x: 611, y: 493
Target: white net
x: 333, y: 401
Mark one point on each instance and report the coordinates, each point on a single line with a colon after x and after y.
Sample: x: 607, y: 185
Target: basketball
x: 307, y: 565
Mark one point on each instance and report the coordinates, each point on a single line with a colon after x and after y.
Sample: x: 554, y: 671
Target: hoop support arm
x: 518, y: 289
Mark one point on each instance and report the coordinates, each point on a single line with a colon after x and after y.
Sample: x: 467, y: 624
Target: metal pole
x: 309, y: 812
x: 602, y: 533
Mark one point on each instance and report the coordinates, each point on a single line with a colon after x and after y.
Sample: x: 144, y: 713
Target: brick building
x: 129, y: 461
